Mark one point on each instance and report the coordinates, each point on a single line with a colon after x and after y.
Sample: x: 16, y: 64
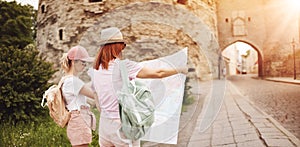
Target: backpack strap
x: 124, y: 75
x: 43, y: 103
x: 62, y: 80
x: 60, y: 83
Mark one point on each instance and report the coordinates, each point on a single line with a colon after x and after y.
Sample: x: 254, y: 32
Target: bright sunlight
x: 294, y: 5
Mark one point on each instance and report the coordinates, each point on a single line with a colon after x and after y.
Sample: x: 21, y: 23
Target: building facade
x: 153, y: 29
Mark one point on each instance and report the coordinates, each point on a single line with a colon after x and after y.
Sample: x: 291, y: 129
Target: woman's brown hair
x: 107, y: 53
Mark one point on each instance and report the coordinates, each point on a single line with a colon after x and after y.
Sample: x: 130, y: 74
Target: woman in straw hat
x: 107, y: 81
x: 75, y: 91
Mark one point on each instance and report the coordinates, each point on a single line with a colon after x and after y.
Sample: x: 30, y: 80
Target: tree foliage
x: 24, y: 74
x: 17, y: 24
x: 23, y: 79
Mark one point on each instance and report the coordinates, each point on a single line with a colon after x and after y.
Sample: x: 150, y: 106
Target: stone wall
x: 269, y: 26
x: 151, y: 29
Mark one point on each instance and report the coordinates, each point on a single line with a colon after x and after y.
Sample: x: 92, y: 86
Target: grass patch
x: 186, y: 102
x: 188, y: 99
x: 37, y: 134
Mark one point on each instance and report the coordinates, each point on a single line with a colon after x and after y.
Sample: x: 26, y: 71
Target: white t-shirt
x: 70, y: 89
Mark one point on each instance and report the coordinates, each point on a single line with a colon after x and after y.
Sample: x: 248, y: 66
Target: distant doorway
x: 240, y: 58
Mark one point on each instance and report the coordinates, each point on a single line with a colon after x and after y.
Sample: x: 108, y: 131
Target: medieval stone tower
x: 156, y: 28
x: 152, y: 29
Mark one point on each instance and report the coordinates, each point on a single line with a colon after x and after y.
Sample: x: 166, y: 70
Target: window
x: 239, y: 27
x: 226, y: 20
x: 43, y: 9
x: 91, y: 1
x: 182, y: 1
x: 60, y: 34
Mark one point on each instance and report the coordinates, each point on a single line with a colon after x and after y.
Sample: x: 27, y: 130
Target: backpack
x: 56, y: 104
x: 136, y: 106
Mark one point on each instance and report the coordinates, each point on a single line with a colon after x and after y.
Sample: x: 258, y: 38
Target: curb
x: 291, y: 137
x: 297, y: 82
x: 282, y: 81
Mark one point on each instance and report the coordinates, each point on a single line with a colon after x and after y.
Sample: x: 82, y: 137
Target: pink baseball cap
x: 79, y: 53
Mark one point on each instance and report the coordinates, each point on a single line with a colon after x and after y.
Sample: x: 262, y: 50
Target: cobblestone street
x: 240, y: 122
x: 250, y: 115
x: 280, y: 100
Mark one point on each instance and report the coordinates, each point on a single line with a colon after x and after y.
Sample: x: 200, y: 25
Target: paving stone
x: 259, y: 120
x: 238, y: 118
x: 240, y: 122
x: 198, y: 136
x: 269, y: 130
x: 270, y: 135
x: 222, y: 141
x: 246, y: 137
x: 263, y: 124
x: 242, y: 131
x: 221, y: 125
x: 252, y: 143
x: 203, y: 143
x: 237, y: 126
x: 227, y: 145
x: 279, y: 142
x: 224, y: 134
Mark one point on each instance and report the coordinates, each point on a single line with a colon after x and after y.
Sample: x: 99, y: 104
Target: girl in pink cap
x: 75, y: 91
x: 107, y: 81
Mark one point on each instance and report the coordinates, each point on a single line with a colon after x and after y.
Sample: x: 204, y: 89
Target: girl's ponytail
x: 65, y: 63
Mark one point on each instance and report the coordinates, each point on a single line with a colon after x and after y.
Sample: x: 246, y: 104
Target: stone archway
x: 259, y: 55
x: 154, y: 26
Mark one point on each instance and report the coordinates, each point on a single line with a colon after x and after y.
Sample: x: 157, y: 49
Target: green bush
x: 17, y: 24
x: 188, y: 99
x: 23, y: 79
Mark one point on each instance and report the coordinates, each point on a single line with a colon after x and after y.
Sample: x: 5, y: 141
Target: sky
x: 34, y: 3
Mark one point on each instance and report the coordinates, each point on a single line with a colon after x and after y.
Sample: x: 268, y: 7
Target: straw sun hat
x: 111, y: 35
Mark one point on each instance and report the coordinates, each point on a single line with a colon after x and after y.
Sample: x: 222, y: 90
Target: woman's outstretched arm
x: 160, y: 73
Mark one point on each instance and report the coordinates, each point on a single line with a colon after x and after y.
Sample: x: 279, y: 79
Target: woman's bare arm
x: 160, y: 73
x: 87, y: 91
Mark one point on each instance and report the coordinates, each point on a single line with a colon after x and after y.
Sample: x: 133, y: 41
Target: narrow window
x: 226, y: 20
x: 182, y: 1
x: 43, y: 8
x: 91, y: 1
x: 60, y: 34
x: 239, y: 28
x: 249, y: 19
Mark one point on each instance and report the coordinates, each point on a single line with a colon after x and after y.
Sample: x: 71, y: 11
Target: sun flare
x: 294, y: 5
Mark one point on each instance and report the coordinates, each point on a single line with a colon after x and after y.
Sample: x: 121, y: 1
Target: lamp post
x: 293, y: 45
x: 219, y: 66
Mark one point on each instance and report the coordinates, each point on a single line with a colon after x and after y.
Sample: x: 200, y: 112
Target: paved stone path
x: 240, y: 123
x: 280, y: 100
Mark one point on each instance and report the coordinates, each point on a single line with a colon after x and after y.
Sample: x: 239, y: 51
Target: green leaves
x: 17, y: 23
x: 23, y: 79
